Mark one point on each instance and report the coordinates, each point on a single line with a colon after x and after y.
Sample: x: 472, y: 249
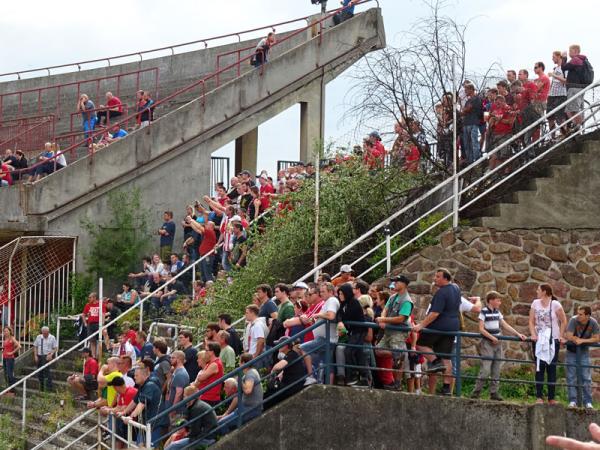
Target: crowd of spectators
x: 489, y: 118
x: 375, y: 336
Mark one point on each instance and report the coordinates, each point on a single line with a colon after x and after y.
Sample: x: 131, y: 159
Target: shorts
x: 395, y: 341
x: 554, y: 102
x: 91, y: 329
x: 577, y: 104
x: 496, y: 140
x: 414, y: 368
x: 90, y: 383
x: 438, y: 342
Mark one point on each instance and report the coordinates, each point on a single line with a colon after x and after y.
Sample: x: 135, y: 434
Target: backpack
x: 587, y: 73
x: 277, y: 331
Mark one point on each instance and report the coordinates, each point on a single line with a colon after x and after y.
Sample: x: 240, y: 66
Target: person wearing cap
x: 397, y: 313
x: 345, y: 276
x: 246, y: 177
x: 299, y: 291
x: 374, y: 155
x: 85, y: 384
x: 125, y: 395
x: 289, y: 370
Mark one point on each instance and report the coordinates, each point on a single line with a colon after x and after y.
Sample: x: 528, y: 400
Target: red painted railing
x: 32, y: 138
x: 201, y: 84
x: 76, y: 88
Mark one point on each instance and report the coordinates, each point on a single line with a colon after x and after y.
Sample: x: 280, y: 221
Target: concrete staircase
x: 43, y: 415
x: 557, y: 192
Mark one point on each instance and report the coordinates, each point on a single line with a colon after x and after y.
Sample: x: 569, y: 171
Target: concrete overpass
x: 169, y: 161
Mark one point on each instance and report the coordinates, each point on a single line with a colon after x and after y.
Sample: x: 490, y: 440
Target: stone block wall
x: 513, y: 263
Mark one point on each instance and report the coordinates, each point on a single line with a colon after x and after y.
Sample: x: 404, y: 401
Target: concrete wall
x: 174, y: 72
x: 328, y: 417
x: 513, y: 263
x: 567, y: 199
x: 170, y: 160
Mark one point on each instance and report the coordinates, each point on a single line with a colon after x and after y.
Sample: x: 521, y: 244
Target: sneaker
x: 436, y: 366
x: 496, y: 396
x: 445, y: 390
x: 475, y: 394
x: 362, y: 383
x: 390, y: 387
x: 352, y: 382
x: 309, y: 381
x: 572, y: 405
x: 589, y: 406
x: 539, y: 401
x: 418, y: 392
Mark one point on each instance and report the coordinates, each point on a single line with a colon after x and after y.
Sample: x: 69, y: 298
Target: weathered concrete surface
x: 170, y: 160
x: 331, y: 418
x: 567, y: 199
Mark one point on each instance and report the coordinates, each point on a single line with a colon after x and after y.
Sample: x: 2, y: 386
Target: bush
x: 118, y: 244
x: 352, y: 200
x: 11, y: 437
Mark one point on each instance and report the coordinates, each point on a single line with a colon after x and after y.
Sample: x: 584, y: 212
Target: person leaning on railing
x: 582, y: 330
x: 547, y: 323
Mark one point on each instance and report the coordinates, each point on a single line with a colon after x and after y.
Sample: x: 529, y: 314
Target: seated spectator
x: 262, y: 50
x: 346, y: 13
x: 16, y: 163
x: 176, y: 264
x: 48, y: 162
x: 115, y: 134
x: 145, y: 110
x: 290, y: 372
x: 145, y: 275
x: 153, y: 288
x: 230, y: 387
x: 124, y: 347
x: 85, y: 384
x: 173, y: 289
x: 206, y: 421
x: 252, y: 398
x: 112, y: 110
x: 127, y: 298
x: 5, y: 175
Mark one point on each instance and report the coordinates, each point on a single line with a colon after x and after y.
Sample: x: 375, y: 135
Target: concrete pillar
x: 312, y: 122
x: 246, y: 152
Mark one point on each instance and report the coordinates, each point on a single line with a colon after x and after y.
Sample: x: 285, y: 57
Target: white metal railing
x: 68, y: 426
x: 98, y: 334
x: 590, y: 122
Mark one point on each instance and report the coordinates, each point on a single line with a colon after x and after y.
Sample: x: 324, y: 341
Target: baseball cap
x: 300, y: 285
x: 346, y: 268
x: 400, y: 278
x: 375, y: 134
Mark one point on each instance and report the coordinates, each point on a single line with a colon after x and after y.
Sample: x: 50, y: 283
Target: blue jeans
x: 206, y: 267
x: 230, y: 421
x: 586, y: 375
x: 157, y: 434
x: 316, y: 355
x: 225, y: 261
x: 471, y: 142
x: 9, y: 371
x: 89, y: 125
x: 182, y: 443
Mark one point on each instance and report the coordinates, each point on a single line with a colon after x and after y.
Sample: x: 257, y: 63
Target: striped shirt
x: 491, y: 319
x: 558, y: 89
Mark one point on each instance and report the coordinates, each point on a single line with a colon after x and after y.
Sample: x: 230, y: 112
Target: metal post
x: 113, y: 431
x: 148, y: 435
x: 317, y: 195
x: 141, y: 324
x: 57, y: 336
x: 327, y: 352
x: 100, y: 318
x: 457, y: 351
x: 99, y: 432
x: 579, y: 372
x: 129, y: 435
x: 24, y: 408
x: 388, y: 247
x: 239, y: 397
x: 455, y: 204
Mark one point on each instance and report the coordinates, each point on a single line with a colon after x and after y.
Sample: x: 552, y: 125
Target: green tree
x: 119, y: 243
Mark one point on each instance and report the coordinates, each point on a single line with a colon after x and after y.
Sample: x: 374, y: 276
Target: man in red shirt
x: 207, y: 246
x: 91, y: 319
x: 501, y: 122
x: 266, y: 190
x: 529, y: 113
x: 114, y: 109
x: 85, y: 384
x: 125, y: 396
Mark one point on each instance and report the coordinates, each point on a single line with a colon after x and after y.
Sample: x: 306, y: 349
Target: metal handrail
x: 168, y: 47
x: 448, y: 182
x: 71, y: 424
x: 201, y: 82
x: 51, y: 118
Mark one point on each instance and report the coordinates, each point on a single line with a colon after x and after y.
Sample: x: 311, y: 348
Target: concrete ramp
x: 170, y: 160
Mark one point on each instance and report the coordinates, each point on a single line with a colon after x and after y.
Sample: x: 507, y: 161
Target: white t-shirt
x: 128, y: 351
x: 255, y: 332
x: 331, y: 305
x: 543, y: 319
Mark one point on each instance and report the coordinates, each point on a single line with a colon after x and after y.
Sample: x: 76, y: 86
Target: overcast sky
x: 515, y: 33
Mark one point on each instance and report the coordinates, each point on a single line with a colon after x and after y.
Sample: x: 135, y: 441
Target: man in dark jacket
x: 575, y: 69
x: 351, y: 311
